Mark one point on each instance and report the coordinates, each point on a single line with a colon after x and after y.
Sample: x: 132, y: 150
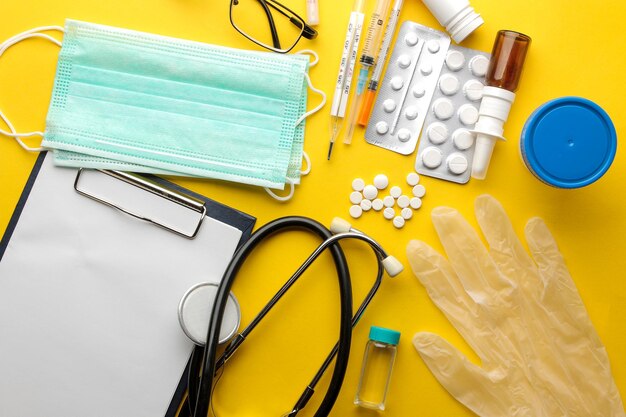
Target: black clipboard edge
x: 215, y: 210
x: 15, y: 217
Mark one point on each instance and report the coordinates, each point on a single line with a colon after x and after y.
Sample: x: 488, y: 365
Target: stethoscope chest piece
x: 194, y: 312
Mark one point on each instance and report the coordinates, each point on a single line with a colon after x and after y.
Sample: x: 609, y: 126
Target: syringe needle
x: 368, y: 58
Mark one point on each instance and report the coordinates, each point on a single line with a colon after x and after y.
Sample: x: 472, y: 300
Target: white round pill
x: 356, y: 197
x: 404, y: 135
x: 366, y: 205
x: 468, y: 114
x: 370, y: 192
x: 431, y: 157
x: 433, y: 46
x: 419, y: 91
x: 381, y: 181
x: 398, y: 222
x: 396, y: 83
x: 356, y: 211
x: 395, y: 191
x: 389, y: 105
x: 411, y: 112
x: 479, y: 65
x: 358, y: 184
x: 388, y: 213
x: 455, y: 60
x: 437, y: 133
x: 406, y: 213
x: 456, y: 163
x: 463, y: 139
x: 403, y: 201
x: 426, y: 68
x: 404, y: 61
x: 382, y: 128
x: 413, y: 179
x: 377, y: 204
x: 448, y: 84
x: 443, y: 108
x: 389, y: 201
x: 473, y: 90
x: 416, y: 203
x: 419, y: 191
x: 411, y: 39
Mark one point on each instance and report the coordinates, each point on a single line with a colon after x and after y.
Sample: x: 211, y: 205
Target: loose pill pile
x: 396, y: 206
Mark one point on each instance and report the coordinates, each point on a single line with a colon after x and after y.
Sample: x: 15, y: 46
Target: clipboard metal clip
x: 153, y: 187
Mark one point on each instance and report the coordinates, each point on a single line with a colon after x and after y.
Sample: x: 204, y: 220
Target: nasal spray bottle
x: 502, y: 79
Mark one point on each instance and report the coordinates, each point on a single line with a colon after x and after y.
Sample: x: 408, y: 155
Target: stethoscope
x: 203, y: 363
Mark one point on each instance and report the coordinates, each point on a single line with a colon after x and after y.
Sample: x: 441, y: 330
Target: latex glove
x: 539, y: 352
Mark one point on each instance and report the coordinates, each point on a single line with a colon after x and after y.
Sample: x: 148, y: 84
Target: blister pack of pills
x: 446, y: 146
x: 407, y: 88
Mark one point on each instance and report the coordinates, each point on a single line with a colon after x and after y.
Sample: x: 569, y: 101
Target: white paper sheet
x: 88, y: 305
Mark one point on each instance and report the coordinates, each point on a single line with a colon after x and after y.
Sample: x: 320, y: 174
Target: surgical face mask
x: 139, y: 102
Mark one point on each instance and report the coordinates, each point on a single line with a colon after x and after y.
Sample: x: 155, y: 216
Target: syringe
x: 366, y: 108
x: 346, y: 69
x: 367, y: 60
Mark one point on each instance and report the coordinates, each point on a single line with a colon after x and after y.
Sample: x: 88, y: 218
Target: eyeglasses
x: 285, y: 26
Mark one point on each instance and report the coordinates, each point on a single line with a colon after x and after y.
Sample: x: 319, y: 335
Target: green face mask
x: 140, y: 102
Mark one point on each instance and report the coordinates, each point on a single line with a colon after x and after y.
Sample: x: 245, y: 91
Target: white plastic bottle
x: 380, y: 354
x: 457, y: 16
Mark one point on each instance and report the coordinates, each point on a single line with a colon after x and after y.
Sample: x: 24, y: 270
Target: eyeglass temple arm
x: 270, y: 19
x: 307, y: 31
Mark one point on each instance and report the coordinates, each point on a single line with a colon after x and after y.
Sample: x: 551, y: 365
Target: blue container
x: 568, y: 142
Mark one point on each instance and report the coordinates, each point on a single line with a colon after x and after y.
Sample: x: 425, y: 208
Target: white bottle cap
x: 458, y: 17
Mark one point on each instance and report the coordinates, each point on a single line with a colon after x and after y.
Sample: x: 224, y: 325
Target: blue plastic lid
x: 569, y: 142
x: 380, y: 334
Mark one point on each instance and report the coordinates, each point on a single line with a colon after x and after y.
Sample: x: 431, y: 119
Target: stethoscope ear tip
x: 392, y: 266
x: 339, y: 225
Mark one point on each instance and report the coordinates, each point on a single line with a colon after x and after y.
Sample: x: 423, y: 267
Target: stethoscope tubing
x: 204, y: 391
x: 330, y: 242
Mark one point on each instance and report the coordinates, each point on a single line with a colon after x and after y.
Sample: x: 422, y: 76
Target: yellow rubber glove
x: 540, y: 354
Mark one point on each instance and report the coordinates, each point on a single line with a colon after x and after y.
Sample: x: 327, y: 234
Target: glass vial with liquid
x: 507, y: 60
x: 380, y: 354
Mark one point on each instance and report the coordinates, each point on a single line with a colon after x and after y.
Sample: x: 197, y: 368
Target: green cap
x: 380, y: 334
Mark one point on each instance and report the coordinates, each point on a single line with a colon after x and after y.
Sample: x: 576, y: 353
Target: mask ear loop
x: 288, y: 197
x: 304, y: 116
x: 306, y: 158
x: 312, y: 53
x: 32, y: 33
x: 310, y: 112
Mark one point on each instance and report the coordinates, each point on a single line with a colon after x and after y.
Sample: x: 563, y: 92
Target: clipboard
x: 89, y: 296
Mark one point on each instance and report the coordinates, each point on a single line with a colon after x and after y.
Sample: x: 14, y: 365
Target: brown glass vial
x: 507, y: 59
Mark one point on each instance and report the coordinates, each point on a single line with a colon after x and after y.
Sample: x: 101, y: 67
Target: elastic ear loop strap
x: 304, y: 154
x: 32, y: 33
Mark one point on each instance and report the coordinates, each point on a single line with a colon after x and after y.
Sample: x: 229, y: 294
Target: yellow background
x: 577, y: 50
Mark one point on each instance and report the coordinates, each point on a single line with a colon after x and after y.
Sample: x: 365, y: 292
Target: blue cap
x: 569, y: 142
x: 380, y: 334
